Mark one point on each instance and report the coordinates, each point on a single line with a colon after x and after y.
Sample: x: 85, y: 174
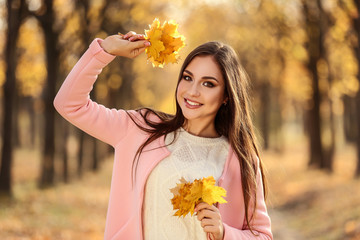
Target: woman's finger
x: 210, y: 219
x: 207, y: 222
x: 205, y: 213
x: 204, y: 205
x: 206, y: 210
x: 137, y: 37
x: 129, y: 35
x: 212, y: 229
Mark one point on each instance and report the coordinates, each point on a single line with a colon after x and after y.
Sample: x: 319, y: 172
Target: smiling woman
x: 211, y: 134
x: 200, y: 94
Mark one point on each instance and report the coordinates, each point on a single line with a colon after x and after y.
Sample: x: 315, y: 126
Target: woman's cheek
x: 179, y: 91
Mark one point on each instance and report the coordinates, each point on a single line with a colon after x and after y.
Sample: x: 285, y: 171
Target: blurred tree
x: 258, y: 32
x: 67, y: 24
x: 15, y: 15
x: 326, y: 77
x: 313, y: 124
x: 273, y: 22
x: 352, y: 104
x: 46, y: 17
x: 30, y: 75
x: 64, y: 150
x: 341, y: 42
x: 69, y: 16
x: 349, y: 118
x: 356, y: 22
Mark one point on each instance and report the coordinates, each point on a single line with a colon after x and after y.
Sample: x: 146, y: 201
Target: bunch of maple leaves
x: 187, y: 195
x: 165, y: 43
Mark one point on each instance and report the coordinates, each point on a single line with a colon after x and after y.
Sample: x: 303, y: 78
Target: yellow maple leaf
x: 187, y: 195
x: 170, y: 28
x: 165, y: 43
x: 211, y: 193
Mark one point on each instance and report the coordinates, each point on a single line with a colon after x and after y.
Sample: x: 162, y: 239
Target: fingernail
x: 125, y: 36
x: 147, y: 43
x: 132, y: 38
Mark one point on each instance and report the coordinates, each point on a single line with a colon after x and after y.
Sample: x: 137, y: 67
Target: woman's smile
x: 192, y: 104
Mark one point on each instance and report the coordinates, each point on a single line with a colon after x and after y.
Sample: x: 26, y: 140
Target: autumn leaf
x: 154, y: 36
x: 165, y: 43
x: 187, y: 195
x: 211, y: 193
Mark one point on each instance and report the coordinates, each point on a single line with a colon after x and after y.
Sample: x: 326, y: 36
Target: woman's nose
x: 194, y: 90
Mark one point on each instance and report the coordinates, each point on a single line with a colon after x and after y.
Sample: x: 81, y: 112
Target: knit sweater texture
x: 191, y: 157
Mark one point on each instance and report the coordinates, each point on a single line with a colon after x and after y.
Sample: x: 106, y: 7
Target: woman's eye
x: 208, y: 84
x: 186, y: 78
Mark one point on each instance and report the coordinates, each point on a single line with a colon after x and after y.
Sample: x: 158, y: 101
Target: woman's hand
x: 129, y: 45
x: 210, y: 219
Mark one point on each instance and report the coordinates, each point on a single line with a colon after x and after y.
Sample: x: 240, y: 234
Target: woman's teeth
x: 192, y: 103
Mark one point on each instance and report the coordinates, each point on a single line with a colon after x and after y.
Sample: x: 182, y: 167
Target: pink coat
x: 124, y: 215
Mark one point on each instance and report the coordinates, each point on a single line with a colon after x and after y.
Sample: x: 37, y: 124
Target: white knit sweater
x: 191, y: 157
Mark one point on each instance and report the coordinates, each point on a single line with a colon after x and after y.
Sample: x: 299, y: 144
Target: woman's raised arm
x: 73, y: 99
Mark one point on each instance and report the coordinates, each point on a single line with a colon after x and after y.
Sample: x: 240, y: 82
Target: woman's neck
x: 201, y: 130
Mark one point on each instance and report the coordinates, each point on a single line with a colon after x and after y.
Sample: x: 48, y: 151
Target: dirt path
x: 280, y: 228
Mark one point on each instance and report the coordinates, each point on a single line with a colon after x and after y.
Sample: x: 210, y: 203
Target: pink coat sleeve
x: 260, y: 223
x: 74, y: 104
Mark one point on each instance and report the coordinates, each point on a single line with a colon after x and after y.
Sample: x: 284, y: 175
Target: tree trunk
x: 80, y: 155
x: 311, y: 13
x: 64, y: 150
x: 356, y: 22
x: 52, y: 61
x: 346, y: 118
x: 95, y: 158
x: 278, y: 122
x: 26, y: 106
x: 265, y: 113
x: 349, y: 119
x: 325, y: 21
x: 329, y: 156
x: 357, y: 172
x: 15, y: 17
x: 32, y: 123
x: 16, y: 143
x: 95, y: 165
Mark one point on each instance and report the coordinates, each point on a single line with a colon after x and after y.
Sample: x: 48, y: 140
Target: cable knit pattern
x: 191, y: 157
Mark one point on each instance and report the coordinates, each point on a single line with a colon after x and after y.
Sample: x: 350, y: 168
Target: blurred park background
x: 303, y: 59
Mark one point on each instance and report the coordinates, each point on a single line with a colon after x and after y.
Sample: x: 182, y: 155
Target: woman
x: 210, y: 134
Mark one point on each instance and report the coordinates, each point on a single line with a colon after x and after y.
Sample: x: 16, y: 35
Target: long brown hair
x: 233, y: 120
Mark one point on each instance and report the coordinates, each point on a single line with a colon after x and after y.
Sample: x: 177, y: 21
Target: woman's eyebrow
x: 204, y: 77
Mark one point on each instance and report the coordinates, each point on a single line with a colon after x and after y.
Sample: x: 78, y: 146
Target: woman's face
x: 201, y: 90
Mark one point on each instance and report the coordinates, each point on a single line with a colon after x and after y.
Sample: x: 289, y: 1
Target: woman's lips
x: 192, y: 104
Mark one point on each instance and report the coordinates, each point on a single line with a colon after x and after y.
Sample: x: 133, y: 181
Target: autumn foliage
x: 187, y: 195
x: 165, y: 43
